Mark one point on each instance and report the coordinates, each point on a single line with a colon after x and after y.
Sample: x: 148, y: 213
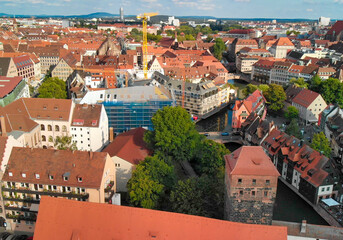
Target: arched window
x: 64, y: 128
x: 44, y: 147
x: 57, y: 128
x: 43, y: 138
x: 49, y: 128
x: 42, y: 127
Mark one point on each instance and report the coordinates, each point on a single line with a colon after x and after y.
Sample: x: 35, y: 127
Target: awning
x: 330, y: 202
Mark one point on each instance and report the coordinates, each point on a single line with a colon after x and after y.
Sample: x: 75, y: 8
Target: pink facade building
x: 255, y: 102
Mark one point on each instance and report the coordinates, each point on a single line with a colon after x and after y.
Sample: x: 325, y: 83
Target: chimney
x: 111, y: 134
x: 3, y: 126
x: 303, y: 226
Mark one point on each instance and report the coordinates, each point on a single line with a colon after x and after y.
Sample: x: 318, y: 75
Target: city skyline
x: 310, y: 9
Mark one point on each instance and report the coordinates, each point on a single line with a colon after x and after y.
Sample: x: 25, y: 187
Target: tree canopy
x: 64, y: 143
x: 210, y: 157
x: 275, y: 96
x: 331, y: 89
x: 53, y: 88
x: 293, y: 129
x: 174, y: 133
x: 321, y: 144
x: 218, y: 48
x: 249, y: 89
x: 292, y: 112
x: 299, y: 82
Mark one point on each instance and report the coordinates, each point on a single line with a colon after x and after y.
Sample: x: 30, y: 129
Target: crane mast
x: 145, y: 17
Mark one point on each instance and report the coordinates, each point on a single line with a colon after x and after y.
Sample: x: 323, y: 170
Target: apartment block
x: 33, y: 173
x: 89, y: 127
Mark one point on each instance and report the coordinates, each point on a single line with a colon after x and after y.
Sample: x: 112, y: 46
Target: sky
x: 311, y: 9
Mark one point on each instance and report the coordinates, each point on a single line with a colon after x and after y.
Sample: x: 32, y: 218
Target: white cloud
x: 309, y: 10
x: 149, y: 1
x: 205, y: 5
x: 242, y: 0
x: 338, y: 1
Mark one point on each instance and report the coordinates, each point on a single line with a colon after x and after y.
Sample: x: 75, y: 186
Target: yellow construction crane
x: 145, y: 17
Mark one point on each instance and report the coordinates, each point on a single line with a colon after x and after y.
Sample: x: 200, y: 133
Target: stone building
x: 251, y: 184
x: 109, y: 48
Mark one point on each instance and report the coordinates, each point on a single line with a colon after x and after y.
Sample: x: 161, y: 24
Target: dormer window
x: 51, y: 177
x: 79, y: 179
x: 65, y: 178
x: 10, y: 174
x: 23, y: 175
x: 37, y: 176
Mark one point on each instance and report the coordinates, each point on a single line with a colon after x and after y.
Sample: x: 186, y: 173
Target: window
x: 268, y: 182
x: 10, y: 174
x: 65, y: 178
x: 23, y: 175
x: 241, y: 192
x: 49, y: 128
x: 79, y: 179
x: 266, y: 193
x: 40, y: 186
x: 64, y: 128
x: 37, y: 176
x: 51, y: 177
x: 328, y: 189
x: 323, y: 189
x: 57, y: 128
x: 239, y: 180
x: 43, y: 138
x: 254, y: 181
x: 68, y: 189
x: 42, y: 127
x: 54, y: 187
x: 253, y: 193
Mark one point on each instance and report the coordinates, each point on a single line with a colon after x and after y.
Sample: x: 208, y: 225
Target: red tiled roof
x: 283, y: 41
x: 3, y: 141
x: 305, y: 97
x: 46, y: 162
x: 129, y: 146
x: 89, y: 114
x: 337, y: 27
x: 250, y: 160
x: 8, y: 84
x: 67, y: 219
x: 241, y: 31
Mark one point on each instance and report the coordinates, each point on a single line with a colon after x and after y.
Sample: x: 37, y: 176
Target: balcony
x: 13, y: 208
x: 71, y: 194
x: 17, y: 199
x: 21, y: 217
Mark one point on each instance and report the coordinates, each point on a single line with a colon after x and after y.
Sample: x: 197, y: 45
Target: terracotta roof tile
x: 129, y: 146
x: 89, y: 114
x: 67, y: 219
x: 305, y: 97
x: 250, y: 160
x: 45, y: 162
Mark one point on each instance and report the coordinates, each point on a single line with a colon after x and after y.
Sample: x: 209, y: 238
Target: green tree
x: 64, y: 143
x: 218, y: 48
x: 210, y: 157
x: 332, y: 91
x: 315, y: 83
x: 249, y: 89
x: 187, y: 198
x: 293, y: 129
x: 174, y: 133
x: 53, y: 88
x: 160, y: 171
x: 189, y: 37
x: 143, y: 190
x: 321, y: 144
x: 300, y: 82
x: 275, y: 96
x: 292, y: 112
x: 263, y: 87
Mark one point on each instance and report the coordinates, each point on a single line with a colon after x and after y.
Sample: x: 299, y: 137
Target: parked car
x: 225, y: 134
